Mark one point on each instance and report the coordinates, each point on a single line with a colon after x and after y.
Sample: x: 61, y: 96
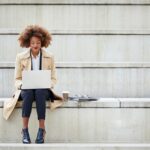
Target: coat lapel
x: 27, y: 60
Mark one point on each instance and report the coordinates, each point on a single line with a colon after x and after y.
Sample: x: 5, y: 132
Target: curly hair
x: 37, y: 31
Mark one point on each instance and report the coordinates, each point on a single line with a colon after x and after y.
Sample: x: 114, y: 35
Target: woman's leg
x: 25, y: 121
x: 41, y: 95
x: 42, y: 123
x: 28, y: 97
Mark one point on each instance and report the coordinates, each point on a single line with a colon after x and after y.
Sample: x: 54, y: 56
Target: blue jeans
x: 40, y: 96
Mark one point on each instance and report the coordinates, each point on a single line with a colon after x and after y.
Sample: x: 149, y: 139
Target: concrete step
x: 94, y: 79
x: 107, y: 17
x: 74, y: 2
x: 106, y: 120
x: 102, y: 45
x: 75, y: 146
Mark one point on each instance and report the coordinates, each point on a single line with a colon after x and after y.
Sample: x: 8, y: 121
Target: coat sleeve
x: 18, y: 73
x: 53, y: 73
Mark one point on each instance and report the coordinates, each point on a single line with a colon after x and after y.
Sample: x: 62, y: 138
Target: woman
x: 35, y: 38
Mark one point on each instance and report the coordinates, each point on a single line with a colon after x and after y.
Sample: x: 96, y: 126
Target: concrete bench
x: 100, y: 103
x: 105, y: 120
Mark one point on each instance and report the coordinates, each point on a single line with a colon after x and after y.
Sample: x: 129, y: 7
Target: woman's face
x: 35, y: 44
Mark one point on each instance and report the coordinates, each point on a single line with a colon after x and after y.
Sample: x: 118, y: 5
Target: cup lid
x: 65, y: 92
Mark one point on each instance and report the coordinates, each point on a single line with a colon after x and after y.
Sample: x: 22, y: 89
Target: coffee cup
x: 65, y: 95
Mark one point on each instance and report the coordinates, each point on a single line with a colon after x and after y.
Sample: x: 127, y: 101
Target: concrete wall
x: 77, y: 17
x: 113, y: 32
x: 101, y: 48
x: 99, y: 82
x: 86, y: 48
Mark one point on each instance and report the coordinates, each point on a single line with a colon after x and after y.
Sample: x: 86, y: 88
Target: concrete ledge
x: 103, y: 102
x: 75, y: 123
x: 74, y: 2
x: 100, y: 103
x: 13, y: 31
x: 135, y: 102
x: 72, y: 146
x: 90, y: 64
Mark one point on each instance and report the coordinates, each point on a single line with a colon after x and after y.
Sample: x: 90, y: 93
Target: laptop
x: 36, y: 79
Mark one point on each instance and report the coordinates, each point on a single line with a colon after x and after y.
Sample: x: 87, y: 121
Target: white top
x: 36, y: 61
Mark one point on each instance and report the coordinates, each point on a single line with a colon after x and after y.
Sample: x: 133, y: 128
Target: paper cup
x: 65, y: 95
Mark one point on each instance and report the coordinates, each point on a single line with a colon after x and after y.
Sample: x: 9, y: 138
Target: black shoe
x: 26, y: 136
x: 40, y: 136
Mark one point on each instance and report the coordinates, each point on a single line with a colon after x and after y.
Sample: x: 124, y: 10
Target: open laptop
x: 36, y: 79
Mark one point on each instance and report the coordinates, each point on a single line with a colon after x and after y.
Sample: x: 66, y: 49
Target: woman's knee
x: 41, y: 93
x: 27, y: 94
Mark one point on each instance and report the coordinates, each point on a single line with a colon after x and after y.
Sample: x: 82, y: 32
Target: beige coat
x: 23, y: 62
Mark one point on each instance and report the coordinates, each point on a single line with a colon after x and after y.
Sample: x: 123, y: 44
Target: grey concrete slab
x: 74, y: 146
x: 100, y: 103
x: 121, y: 50
x: 106, y: 2
x: 114, y: 17
x: 89, y: 65
x: 134, y: 102
x: 127, y: 125
x: 100, y: 82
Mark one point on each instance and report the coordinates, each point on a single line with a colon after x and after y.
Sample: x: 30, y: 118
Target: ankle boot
x: 26, y: 136
x: 40, y: 136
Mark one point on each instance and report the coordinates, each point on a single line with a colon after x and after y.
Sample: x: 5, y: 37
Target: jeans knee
x: 27, y: 94
x: 41, y: 93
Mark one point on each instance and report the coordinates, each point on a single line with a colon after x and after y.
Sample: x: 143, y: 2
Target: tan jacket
x: 23, y: 62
